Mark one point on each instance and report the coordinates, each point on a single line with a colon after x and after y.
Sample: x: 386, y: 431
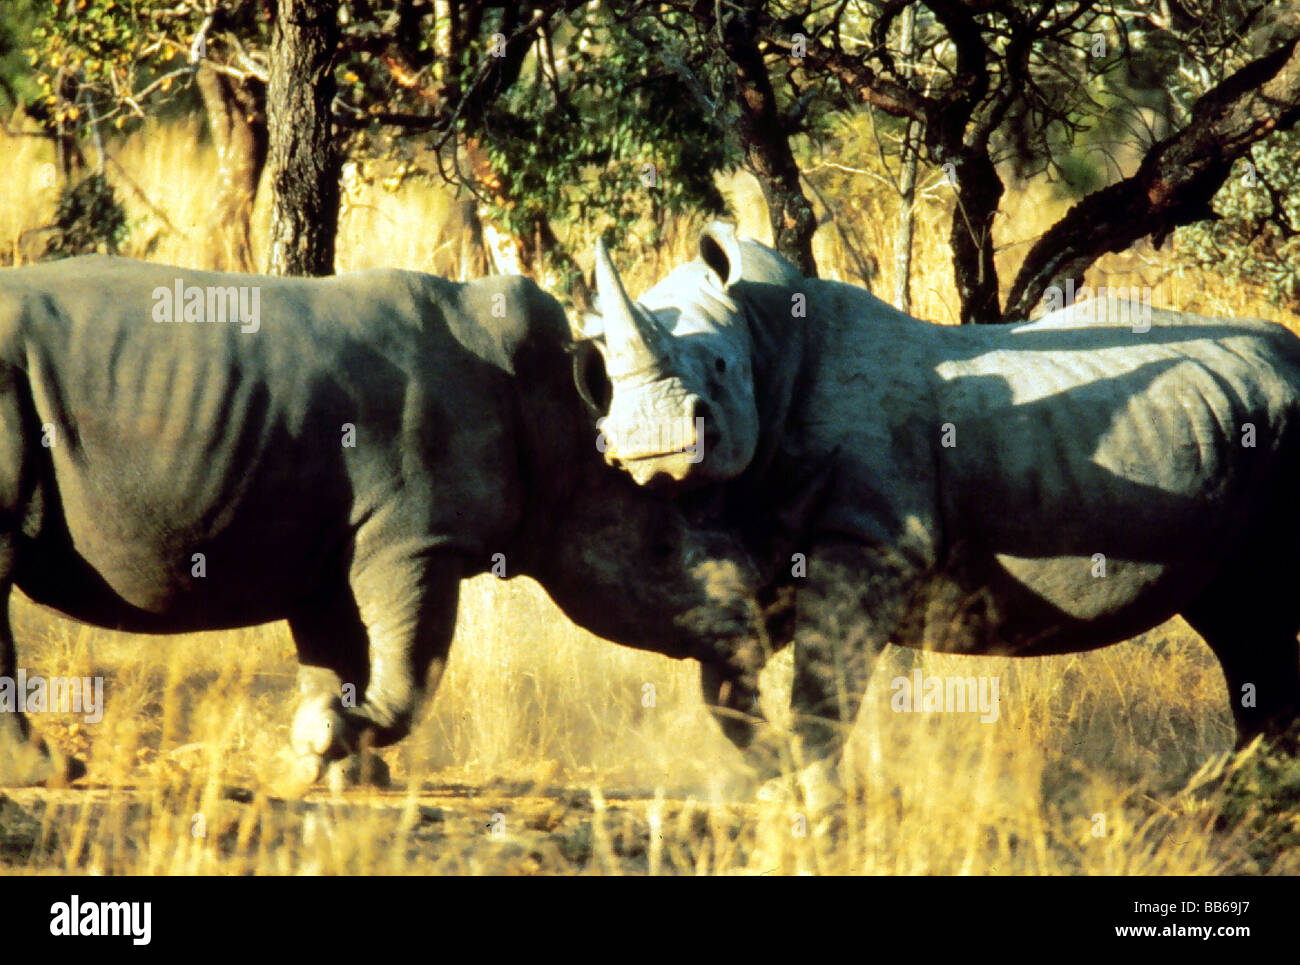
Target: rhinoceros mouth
x: 674, y: 470
x: 659, y: 439
x: 623, y: 456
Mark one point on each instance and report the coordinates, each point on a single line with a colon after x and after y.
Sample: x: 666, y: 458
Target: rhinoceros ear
x: 590, y: 377
x: 720, y: 250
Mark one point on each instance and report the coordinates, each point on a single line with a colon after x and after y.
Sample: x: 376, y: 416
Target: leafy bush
x: 90, y: 220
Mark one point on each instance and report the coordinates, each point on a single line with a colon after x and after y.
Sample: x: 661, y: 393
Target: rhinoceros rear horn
x: 720, y: 250
x: 632, y: 340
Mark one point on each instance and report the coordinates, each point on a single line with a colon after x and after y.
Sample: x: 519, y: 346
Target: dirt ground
x: 500, y: 828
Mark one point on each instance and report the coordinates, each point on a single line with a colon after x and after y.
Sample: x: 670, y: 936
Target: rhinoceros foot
x: 321, y: 749
x: 34, y: 763
x: 315, y: 740
x: 815, y: 789
x: 366, y: 769
x: 318, y: 729
x: 768, y: 756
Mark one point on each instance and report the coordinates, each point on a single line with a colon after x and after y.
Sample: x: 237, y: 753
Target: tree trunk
x: 767, y: 144
x: 237, y: 118
x: 906, y: 221
x: 979, y: 189
x: 303, y: 157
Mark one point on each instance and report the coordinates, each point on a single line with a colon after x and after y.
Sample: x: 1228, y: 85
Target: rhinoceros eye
x: 721, y: 365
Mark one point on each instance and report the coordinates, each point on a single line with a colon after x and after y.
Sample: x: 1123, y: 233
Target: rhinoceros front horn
x: 633, y: 341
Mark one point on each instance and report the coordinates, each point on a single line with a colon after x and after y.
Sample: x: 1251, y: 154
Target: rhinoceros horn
x: 633, y: 340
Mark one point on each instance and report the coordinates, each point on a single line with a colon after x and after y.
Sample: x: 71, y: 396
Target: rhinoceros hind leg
x: 31, y: 762
x: 1261, y: 666
x: 26, y: 760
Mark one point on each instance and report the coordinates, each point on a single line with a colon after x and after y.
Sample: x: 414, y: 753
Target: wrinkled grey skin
x: 471, y: 440
x: 1072, y: 436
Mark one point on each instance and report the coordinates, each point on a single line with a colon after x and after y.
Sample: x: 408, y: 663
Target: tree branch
x: 1176, y: 180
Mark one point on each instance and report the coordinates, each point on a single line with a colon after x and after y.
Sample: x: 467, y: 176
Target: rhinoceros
x: 186, y: 450
x: 1015, y: 489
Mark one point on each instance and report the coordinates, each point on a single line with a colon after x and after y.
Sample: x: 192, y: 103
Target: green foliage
x: 105, y: 61
x: 593, y: 134
x: 606, y: 141
x: 582, y: 128
x: 90, y: 220
x: 1256, y: 239
x: 610, y: 119
x: 583, y: 124
x: 17, y: 84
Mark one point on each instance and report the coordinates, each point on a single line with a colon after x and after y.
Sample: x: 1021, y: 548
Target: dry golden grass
x: 548, y: 750
x: 539, y: 754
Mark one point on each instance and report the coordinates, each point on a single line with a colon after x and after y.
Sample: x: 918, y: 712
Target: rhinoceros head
x: 680, y: 387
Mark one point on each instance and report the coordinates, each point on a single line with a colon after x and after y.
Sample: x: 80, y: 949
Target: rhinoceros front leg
x: 730, y: 686
x: 731, y: 695
x: 846, y: 607
x: 333, y: 668
x: 369, y: 654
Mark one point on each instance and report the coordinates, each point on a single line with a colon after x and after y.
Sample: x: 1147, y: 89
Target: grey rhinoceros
x: 1016, y: 489
x: 184, y: 450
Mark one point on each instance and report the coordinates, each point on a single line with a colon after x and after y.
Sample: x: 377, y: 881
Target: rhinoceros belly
x: 137, y: 553
x: 982, y: 603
